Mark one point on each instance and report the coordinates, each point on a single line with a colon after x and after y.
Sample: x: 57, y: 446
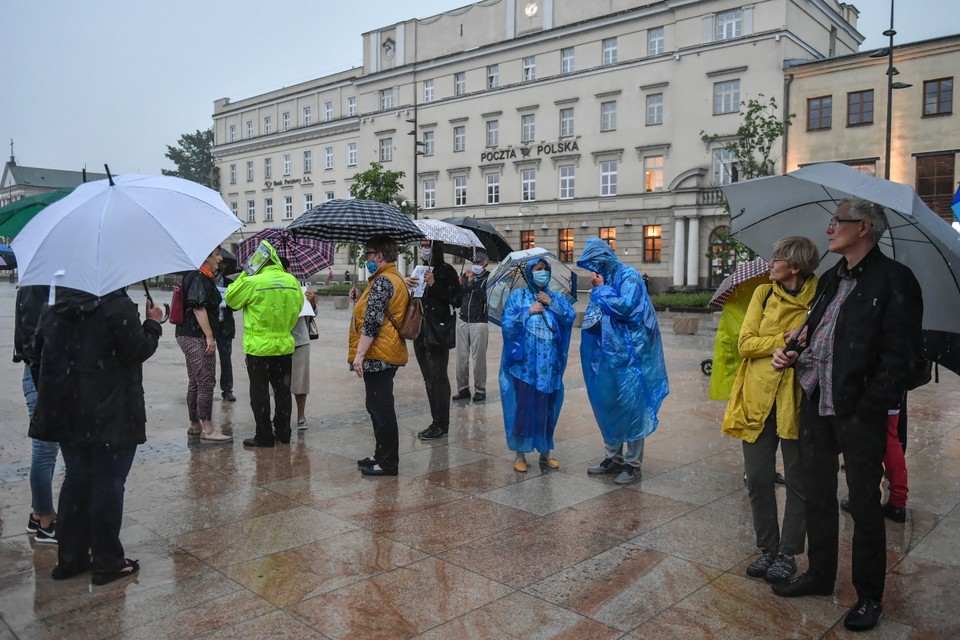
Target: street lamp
x: 891, y: 85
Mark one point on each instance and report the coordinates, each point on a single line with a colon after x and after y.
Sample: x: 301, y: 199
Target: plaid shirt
x: 815, y: 366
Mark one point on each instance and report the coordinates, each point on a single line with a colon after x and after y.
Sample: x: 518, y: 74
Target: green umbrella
x: 16, y: 215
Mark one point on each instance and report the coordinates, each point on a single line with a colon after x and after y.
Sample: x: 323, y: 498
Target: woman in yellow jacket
x: 764, y: 407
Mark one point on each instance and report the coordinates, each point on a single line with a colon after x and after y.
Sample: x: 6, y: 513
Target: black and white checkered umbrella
x: 355, y: 221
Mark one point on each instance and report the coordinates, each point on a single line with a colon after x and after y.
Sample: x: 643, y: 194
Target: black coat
x: 877, y: 337
x: 445, y: 292
x: 474, y: 307
x: 30, y: 301
x: 90, y: 383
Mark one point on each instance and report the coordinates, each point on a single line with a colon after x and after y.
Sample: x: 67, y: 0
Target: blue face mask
x: 371, y: 267
x: 541, y: 278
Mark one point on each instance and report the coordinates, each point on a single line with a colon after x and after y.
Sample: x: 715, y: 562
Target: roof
x: 49, y: 178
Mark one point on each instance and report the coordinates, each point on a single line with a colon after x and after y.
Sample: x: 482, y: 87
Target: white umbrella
x: 108, y: 234
x: 449, y: 234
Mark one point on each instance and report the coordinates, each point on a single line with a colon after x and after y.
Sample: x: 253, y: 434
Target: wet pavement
x: 294, y: 542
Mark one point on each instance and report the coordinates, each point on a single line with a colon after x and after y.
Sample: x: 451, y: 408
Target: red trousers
x: 894, y: 466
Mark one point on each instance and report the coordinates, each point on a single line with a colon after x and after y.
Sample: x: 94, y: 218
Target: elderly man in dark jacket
x: 863, y: 334
x: 472, y: 331
x: 88, y: 353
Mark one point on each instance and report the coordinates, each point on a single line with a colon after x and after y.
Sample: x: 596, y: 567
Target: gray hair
x: 866, y: 210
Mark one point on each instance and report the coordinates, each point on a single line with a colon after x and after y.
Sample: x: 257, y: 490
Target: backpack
x: 409, y: 327
x: 176, y: 304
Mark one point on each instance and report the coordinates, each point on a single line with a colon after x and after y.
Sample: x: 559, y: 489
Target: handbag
x: 176, y: 304
x: 440, y: 333
x: 312, y: 329
x: 412, y: 323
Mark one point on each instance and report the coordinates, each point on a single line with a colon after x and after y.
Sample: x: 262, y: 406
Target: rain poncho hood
x: 621, y: 350
x: 534, y: 357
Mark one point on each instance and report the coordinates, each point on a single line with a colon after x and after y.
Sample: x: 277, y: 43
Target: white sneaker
x: 302, y: 424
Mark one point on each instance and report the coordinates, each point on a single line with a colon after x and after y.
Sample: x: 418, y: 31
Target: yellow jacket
x: 757, y: 384
x: 726, y: 355
x: 388, y: 345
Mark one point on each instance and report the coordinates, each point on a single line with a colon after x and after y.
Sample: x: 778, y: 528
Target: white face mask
x: 426, y: 253
x: 477, y: 269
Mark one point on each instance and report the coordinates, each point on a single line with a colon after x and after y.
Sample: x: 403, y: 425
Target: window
x: 307, y: 201
x: 267, y: 168
x: 428, y: 143
x: 386, y: 149
x: 729, y: 24
x: 493, y: 133
x: 567, y: 61
x: 267, y: 125
x: 609, y: 235
x: 287, y: 164
x: 493, y: 188
x: 935, y: 183
x: 653, y: 173
x: 565, y: 242
x: 307, y: 116
x: 655, y: 109
x: 459, y: 138
x: 652, y: 242
x: 726, y: 97
x: 307, y: 161
x: 388, y: 98
x: 529, y: 68
x: 938, y: 97
x: 249, y: 127
x: 285, y: 121
x: 428, y: 90
x: 460, y: 192
x: 460, y: 83
x: 429, y: 194
x: 233, y: 133
x: 351, y: 154
x: 527, y: 240
x: 233, y: 174
x: 819, y: 113
x: 267, y: 209
x: 566, y: 122
x: 251, y: 211
x: 528, y: 128
x: 528, y: 185
x: 859, y: 108
x: 328, y: 195
x: 609, y: 55
x: 608, y: 178
x: 493, y: 76
x: 608, y: 116
x: 568, y: 179
x: 234, y: 208
x: 724, y: 169
x: 868, y: 167
x: 351, y: 106
x: 328, y: 158
x: 249, y: 170
x: 655, y: 42
x: 288, y: 207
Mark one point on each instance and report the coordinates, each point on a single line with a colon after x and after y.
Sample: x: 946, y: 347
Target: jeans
x: 91, y: 506
x: 633, y: 457
x: 433, y: 365
x: 44, y: 458
x: 383, y: 415
x: 266, y: 372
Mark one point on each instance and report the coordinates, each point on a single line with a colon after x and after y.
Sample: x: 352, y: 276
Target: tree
x: 381, y: 186
x: 759, y: 130
x: 193, y: 157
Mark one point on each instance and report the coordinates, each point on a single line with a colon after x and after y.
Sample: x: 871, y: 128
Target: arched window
x: 723, y: 255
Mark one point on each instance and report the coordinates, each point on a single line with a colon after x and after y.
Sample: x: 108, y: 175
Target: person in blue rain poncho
x: 536, y: 325
x: 622, y: 358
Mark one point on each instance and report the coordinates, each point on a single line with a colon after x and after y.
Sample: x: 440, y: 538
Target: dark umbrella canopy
x: 355, y: 221
x: 495, y: 246
x: 306, y: 256
x: 7, y: 259
x: 16, y: 215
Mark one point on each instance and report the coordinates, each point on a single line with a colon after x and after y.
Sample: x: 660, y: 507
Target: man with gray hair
x: 862, y: 335
x: 472, y: 331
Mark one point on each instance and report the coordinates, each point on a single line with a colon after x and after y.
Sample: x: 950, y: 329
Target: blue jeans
x: 44, y: 459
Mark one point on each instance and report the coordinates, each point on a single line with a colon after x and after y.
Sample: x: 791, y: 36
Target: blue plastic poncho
x: 532, y: 365
x: 621, y: 350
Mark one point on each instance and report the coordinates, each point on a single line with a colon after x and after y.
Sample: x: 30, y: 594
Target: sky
x: 114, y: 82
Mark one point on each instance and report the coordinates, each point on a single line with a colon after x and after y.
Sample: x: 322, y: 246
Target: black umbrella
x: 355, y: 221
x: 943, y: 348
x: 494, y: 244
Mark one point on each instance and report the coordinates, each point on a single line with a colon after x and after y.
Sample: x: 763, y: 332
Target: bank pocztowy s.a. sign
x: 286, y: 182
x: 543, y: 149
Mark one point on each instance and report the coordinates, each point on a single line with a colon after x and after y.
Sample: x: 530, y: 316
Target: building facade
x: 554, y: 120
x: 18, y: 182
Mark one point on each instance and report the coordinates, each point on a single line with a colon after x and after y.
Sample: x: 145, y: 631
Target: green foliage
x: 338, y: 289
x: 193, y: 157
x: 679, y: 300
x: 742, y: 251
x: 760, y: 128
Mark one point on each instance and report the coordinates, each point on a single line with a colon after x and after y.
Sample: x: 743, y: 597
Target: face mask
x: 541, y: 278
x: 426, y: 253
x: 477, y: 269
x: 371, y: 267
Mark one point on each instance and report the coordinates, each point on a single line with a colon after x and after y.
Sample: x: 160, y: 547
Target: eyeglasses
x: 370, y: 252
x: 834, y: 221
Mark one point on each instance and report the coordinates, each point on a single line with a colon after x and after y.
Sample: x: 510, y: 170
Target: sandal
x: 129, y: 568
x: 192, y: 433
x: 215, y: 438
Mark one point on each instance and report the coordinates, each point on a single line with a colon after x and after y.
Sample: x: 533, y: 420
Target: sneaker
x: 432, y: 434
x: 609, y: 465
x: 47, y: 535
x: 628, y: 475
x: 463, y: 394
x: 480, y: 396
x: 782, y: 569
x: 302, y: 424
x: 33, y: 525
x: 758, y: 568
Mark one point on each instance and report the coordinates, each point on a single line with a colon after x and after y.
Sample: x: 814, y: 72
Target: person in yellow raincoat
x: 726, y: 355
x: 764, y: 406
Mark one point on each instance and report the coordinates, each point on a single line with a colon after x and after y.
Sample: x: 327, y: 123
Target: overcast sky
x: 115, y: 81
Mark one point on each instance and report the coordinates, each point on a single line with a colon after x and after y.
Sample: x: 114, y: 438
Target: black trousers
x: 225, y: 350
x: 266, y: 372
x: 862, y: 441
x: 433, y: 365
x: 383, y: 415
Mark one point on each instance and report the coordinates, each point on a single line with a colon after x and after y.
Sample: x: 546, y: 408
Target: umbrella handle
x: 166, y: 307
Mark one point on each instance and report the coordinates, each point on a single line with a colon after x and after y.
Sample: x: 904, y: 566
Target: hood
x: 274, y: 256
x: 598, y: 257
x: 528, y: 272
x: 73, y: 303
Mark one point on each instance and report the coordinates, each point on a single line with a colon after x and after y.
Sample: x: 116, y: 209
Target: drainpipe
x: 786, y: 112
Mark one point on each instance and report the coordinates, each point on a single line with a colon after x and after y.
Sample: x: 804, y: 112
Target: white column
x: 693, y: 252
x: 678, y: 246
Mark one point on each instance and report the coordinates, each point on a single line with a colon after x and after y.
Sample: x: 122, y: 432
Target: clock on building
x: 531, y: 9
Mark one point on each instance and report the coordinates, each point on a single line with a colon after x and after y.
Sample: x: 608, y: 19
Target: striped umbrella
x: 306, y: 255
x: 355, y: 221
x: 745, y: 272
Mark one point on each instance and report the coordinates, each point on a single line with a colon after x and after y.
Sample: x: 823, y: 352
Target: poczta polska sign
x: 543, y: 149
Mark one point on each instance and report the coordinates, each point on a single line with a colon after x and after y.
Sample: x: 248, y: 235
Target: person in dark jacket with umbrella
x: 472, y: 331
x: 89, y: 353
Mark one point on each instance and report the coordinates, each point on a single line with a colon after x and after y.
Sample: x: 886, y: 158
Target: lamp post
x: 891, y: 85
